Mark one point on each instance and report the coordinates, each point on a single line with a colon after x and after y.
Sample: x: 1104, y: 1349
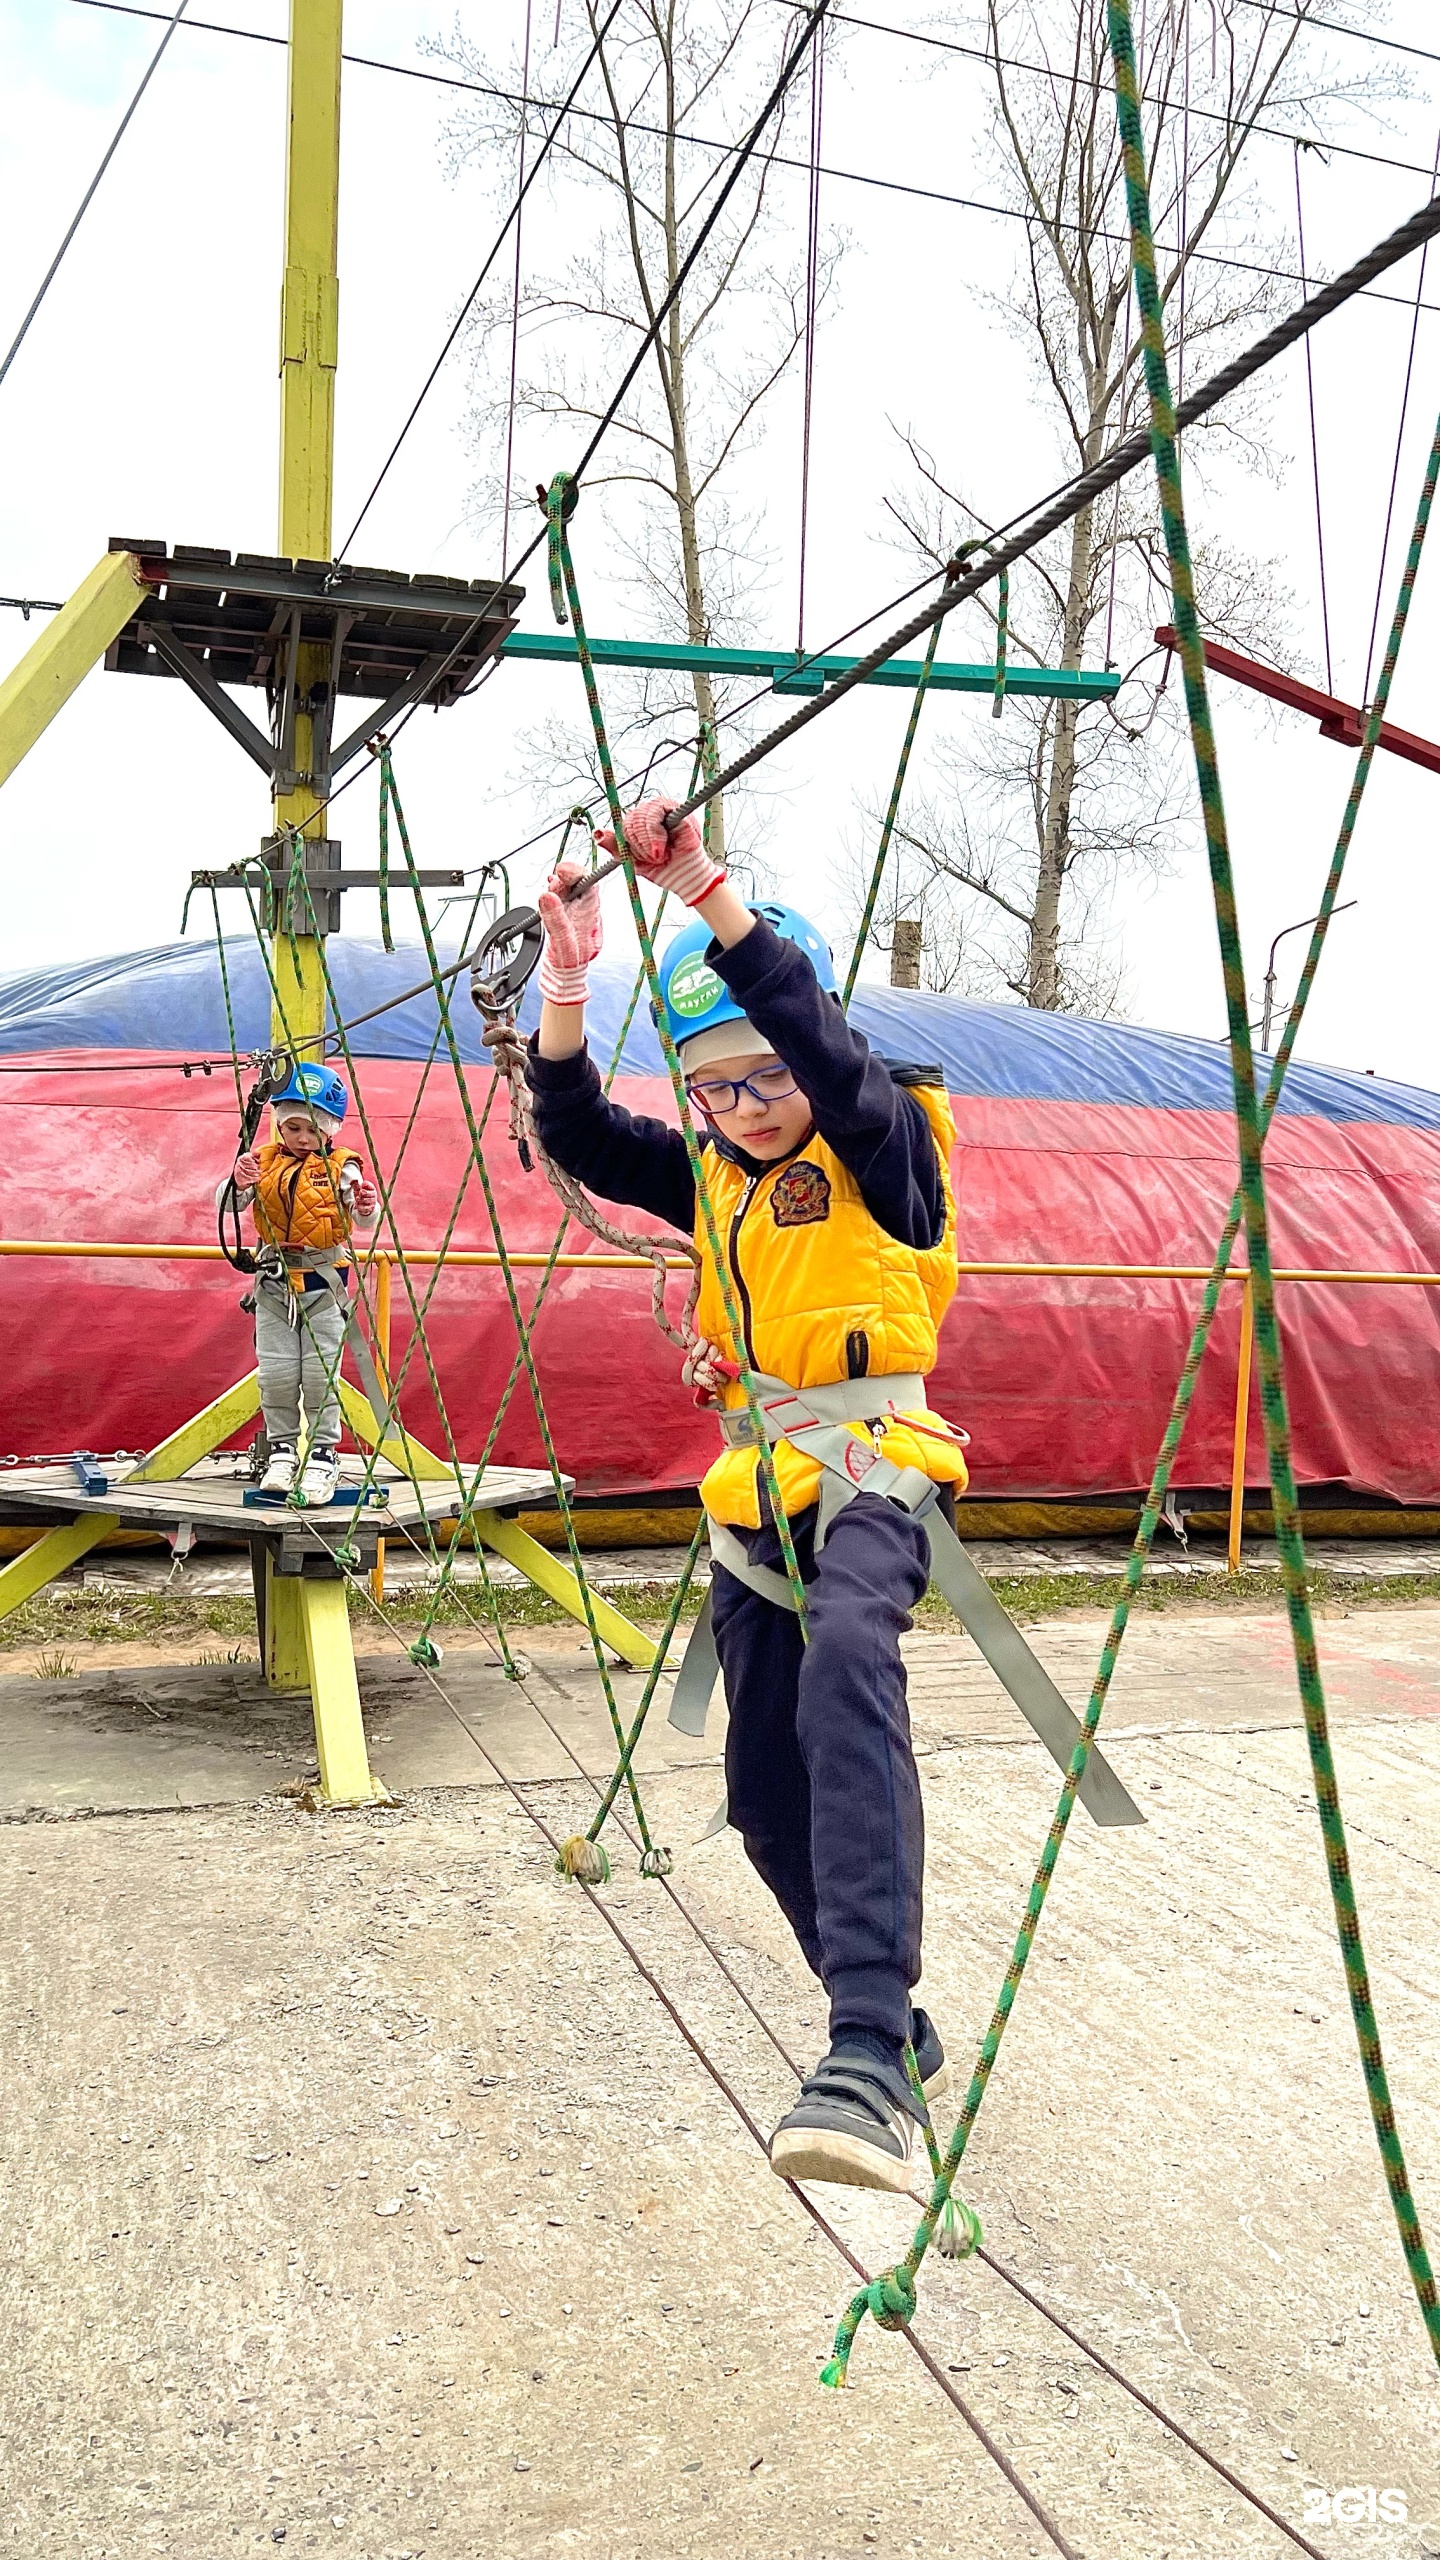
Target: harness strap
x: 814, y: 1420
x: 358, y: 1344
x: 849, y: 1470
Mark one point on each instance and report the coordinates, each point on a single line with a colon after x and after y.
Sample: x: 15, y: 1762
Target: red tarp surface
x: 1062, y: 1384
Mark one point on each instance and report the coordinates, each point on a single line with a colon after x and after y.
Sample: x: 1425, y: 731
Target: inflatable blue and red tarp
x: 1077, y: 1142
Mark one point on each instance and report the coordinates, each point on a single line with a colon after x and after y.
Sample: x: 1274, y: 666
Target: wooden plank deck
x: 211, y: 1497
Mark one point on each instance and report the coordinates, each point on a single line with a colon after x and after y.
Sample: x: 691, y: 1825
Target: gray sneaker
x: 930, y: 2062
x: 854, y: 2124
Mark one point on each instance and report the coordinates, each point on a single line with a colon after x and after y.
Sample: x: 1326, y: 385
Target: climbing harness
x: 816, y: 1422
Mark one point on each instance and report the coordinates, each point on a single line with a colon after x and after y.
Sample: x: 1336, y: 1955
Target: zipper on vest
x: 738, y: 1276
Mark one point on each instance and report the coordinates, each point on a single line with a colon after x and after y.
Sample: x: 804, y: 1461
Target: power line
x: 783, y: 160
x: 876, y: 26
x: 83, y: 207
x: 1065, y: 503
x: 1332, y: 27
x: 513, y: 216
x: 1148, y: 97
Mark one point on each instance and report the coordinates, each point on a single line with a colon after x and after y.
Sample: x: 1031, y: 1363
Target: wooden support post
x: 287, y: 1665
x: 63, y: 655
x: 1242, y: 1421
x: 382, y: 1370
x: 334, y: 1693
x: 309, y: 350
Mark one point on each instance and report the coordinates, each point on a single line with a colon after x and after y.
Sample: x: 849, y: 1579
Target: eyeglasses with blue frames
x: 717, y: 1096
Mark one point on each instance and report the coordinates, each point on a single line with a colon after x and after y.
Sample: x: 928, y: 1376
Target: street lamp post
x: 1267, y: 1009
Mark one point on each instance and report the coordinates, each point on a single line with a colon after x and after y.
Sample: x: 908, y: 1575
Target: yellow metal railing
x: 385, y: 1255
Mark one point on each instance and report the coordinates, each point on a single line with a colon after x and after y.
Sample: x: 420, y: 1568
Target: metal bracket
x: 287, y: 907
x: 197, y: 675
x: 390, y: 709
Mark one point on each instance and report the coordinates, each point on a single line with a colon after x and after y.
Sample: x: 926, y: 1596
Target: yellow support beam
x: 29, y: 1572
x: 310, y: 295
x: 309, y: 352
x: 286, y: 1665
x: 203, y: 1432
x: 398, y: 1450
x: 506, y: 1537
x: 559, y: 1584
x: 66, y: 650
x: 335, y: 1695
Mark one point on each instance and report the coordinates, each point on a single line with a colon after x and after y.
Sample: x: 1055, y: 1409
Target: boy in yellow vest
x: 829, y: 1174
x: 307, y: 1193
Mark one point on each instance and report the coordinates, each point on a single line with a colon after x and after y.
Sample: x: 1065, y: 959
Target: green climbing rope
x: 891, y: 814
x: 1170, y: 1444
x: 1284, y: 1496
x: 559, y: 507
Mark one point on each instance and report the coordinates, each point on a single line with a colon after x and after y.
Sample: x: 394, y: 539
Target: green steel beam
x: 787, y: 675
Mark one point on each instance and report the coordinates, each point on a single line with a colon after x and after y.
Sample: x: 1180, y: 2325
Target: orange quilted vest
x: 297, y: 1198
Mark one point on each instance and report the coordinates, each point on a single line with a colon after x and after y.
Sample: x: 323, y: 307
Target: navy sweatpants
x: 821, y: 1774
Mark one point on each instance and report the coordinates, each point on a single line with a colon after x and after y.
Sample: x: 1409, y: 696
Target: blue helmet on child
x: 317, y: 1087
x: 697, y: 1002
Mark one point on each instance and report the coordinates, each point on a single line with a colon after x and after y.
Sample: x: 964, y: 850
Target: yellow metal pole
x: 309, y: 327
x: 63, y: 655
x: 382, y: 1367
x: 1242, y: 1421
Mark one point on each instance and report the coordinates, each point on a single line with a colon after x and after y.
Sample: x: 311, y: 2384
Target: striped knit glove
x: 677, y: 862
x: 573, y: 934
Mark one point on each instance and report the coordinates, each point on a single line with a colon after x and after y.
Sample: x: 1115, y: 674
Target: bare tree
x: 636, y: 168
x: 1032, y: 830
x: 913, y: 891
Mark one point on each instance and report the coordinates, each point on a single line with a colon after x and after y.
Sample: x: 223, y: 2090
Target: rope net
x: 890, y: 2298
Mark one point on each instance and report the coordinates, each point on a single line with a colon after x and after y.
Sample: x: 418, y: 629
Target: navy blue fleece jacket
x: 877, y: 1129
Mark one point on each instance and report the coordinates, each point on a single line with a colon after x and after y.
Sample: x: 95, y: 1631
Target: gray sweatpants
x: 294, y: 1360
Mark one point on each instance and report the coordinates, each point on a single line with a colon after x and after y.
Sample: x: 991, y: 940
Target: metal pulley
x: 506, y: 961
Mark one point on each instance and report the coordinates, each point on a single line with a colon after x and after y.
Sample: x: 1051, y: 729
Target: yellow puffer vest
x: 824, y: 1293
x: 297, y: 1198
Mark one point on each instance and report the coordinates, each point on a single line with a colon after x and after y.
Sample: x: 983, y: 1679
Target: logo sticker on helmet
x: 312, y: 1080
x: 694, y: 988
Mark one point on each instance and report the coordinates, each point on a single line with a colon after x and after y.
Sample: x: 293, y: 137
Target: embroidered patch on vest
x: 801, y: 1197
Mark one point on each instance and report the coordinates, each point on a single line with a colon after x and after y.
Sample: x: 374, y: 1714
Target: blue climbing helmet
x: 319, y: 1088
x: 696, y: 1001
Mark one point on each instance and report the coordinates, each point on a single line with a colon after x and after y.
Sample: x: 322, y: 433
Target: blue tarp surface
x: 170, y: 999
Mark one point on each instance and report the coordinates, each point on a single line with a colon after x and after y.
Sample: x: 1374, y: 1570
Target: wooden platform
x: 210, y: 1496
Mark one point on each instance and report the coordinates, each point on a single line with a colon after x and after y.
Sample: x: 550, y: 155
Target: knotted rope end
x: 657, y: 1862
x: 428, y: 1655
x: 582, y: 1860
x: 959, y: 2235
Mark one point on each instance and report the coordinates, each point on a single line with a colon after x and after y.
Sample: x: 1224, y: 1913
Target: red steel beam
x: 1338, y: 720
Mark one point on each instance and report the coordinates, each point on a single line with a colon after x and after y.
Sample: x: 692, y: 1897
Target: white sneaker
x: 279, y: 1476
x: 320, y: 1476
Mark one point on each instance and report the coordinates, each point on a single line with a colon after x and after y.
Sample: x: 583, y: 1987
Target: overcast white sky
x: 144, y: 403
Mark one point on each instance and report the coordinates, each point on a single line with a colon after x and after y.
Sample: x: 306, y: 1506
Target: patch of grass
x: 55, y: 1666
x: 1046, y: 1595
x: 66, y: 1615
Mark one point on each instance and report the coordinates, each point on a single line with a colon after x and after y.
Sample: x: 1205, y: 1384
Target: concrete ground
x: 363, y: 2196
